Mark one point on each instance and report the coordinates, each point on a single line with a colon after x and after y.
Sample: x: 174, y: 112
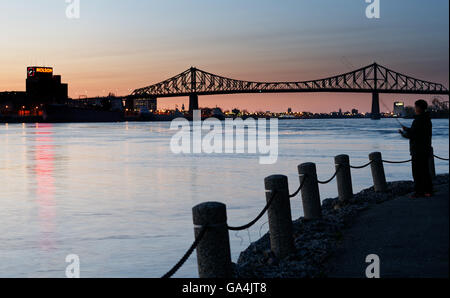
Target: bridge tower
x: 376, y: 106
x: 375, y: 115
x: 193, y: 97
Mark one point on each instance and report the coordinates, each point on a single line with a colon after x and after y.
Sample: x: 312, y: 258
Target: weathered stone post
x: 310, y: 191
x: 431, y: 164
x: 280, y: 217
x: 213, y: 250
x: 344, y: 177
x: 377, y: 167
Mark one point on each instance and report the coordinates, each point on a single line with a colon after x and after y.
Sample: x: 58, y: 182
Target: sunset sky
x: 117, y: 45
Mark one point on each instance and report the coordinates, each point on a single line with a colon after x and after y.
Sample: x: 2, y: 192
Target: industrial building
x: 142, y: 104
x: 42, y: 87
x: 399, y: 109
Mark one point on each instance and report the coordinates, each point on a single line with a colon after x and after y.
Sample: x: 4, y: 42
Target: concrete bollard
x: 344, y: 177
x: 377, y: 167
x: 213, y: 251
x: 310, y: 191
x: 431, y: 164
x: 280, y: 217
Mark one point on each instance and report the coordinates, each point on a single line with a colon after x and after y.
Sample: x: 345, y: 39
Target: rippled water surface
x: 116, y: 196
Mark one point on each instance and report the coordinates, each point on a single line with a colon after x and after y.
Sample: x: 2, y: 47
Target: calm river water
x: 115, y: 194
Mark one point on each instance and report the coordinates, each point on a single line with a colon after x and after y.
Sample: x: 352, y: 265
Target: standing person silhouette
x: 420, y: 135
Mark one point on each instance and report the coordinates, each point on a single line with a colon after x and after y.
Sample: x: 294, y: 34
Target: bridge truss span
x: 367, y: 79
x: 373, y: 79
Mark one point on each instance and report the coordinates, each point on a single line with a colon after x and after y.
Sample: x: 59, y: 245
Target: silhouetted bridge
x: 373, y: 79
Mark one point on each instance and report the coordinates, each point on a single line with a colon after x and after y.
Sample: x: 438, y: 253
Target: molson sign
x: 32, y: 71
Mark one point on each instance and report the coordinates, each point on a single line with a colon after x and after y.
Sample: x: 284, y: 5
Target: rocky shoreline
x: 315, y: 241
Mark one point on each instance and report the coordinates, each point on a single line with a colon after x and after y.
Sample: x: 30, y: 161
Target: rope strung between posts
x: 363, y: 166
x: 187, y: 254
x: 332, y: 178
x: 300, y: 188
x: 202, y: 232
x: 250, y: 224
x: 397, y: 162
x: 204, y: 228
x: 441, y: 158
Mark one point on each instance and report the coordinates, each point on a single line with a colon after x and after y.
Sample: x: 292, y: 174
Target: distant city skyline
x: 117, y: 46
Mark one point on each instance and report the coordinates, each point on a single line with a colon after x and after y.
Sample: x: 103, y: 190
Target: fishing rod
x: 387, y: 108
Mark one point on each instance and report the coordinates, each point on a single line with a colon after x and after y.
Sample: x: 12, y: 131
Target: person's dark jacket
x: 420, y: 135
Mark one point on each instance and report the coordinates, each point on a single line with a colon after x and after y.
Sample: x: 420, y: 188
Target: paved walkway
x: 411, y: 237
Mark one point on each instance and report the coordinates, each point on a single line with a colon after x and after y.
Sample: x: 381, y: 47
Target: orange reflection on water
x: 45, y: 183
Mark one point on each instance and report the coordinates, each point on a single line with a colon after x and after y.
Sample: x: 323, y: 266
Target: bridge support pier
x: 376, y: 106
x: 193, y: 102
